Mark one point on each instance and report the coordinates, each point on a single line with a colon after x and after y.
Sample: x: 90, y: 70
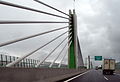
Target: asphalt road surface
x: 94, y: 76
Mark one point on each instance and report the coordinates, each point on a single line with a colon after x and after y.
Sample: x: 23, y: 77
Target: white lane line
x: 76, y: 76
x: 106, y: 78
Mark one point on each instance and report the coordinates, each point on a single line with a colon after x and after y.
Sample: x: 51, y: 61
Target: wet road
x: 94, y: 76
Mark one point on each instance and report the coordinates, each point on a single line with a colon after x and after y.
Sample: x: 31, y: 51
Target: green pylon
x: 72, y: 56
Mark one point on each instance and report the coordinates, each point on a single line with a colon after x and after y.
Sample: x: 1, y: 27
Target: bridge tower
x: 72, y: 62
x: 75, y: 59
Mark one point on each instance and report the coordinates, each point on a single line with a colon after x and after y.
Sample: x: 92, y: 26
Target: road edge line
x: 76, y: 76
x: 106, y: 78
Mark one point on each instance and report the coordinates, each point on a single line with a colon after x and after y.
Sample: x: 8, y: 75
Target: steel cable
x: 50, y: 7
x: 64, y: 55
x: 28, y: 22
x: 60, y: 53
x: 23, y: 57
x: 28, y: 37
x: 50, y: 53
x: 30, y: 9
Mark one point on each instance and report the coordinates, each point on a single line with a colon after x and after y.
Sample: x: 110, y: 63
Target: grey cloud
x: 99, y: 34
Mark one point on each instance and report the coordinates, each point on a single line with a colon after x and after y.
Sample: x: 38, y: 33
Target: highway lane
x: 94, y: 76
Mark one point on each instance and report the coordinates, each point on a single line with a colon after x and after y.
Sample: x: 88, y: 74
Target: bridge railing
x: 26, y: 63
x: 66, y: 40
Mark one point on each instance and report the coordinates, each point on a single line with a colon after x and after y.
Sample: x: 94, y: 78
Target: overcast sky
x: 98, y: 27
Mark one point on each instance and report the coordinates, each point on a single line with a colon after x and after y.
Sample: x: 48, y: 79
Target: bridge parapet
x: 37, y: 74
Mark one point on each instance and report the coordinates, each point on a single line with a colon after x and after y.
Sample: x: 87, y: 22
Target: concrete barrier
x: 37, y: 74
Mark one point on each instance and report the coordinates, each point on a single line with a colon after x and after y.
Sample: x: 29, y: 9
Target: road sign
x: 98, y: 58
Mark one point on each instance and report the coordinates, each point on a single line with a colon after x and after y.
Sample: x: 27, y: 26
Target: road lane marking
x: 106, y: 78
x: 76, y: 76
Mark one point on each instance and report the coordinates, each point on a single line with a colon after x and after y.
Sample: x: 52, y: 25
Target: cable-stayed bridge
x: 23, y: 69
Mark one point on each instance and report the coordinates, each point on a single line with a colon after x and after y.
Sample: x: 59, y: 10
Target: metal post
x: 28, y: 63
x: 72, y: 50
x: 35, y: 62
x: 18, y: 63
x: 6, y: 59
x: 1, y: 60
x: 14, y: 60
x: 24, y: 63
x: 31, y: 63
x: 21, y: 64
x: 10, y: 59
x: 88, y: 62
